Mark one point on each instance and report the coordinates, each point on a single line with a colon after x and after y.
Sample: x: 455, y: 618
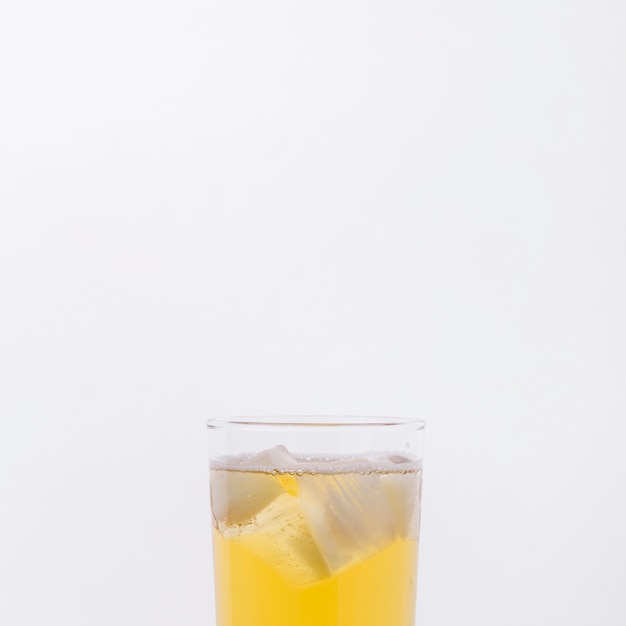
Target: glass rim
x: 245, y: 422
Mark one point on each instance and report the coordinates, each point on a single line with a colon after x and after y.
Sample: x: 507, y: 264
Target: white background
x: 225, y: 207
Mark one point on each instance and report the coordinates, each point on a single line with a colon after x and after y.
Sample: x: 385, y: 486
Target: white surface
x: 211, y: 208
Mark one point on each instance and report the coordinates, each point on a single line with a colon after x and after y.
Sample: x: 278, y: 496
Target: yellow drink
x: 379, y: 591
x: 324, y: 543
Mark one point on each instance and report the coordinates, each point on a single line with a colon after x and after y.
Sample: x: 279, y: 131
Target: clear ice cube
x: 276, y: 458
x: 237, y: 496
x: 402, y: 491
x: 280, y: 536
x: 348, y: 515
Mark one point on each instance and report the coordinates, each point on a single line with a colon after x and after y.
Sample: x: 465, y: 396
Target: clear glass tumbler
x: 315, y: 520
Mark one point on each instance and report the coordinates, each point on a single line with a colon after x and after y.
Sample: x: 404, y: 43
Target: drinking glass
x: 315, y: 520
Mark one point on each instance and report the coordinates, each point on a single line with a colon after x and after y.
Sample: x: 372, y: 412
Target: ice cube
x: 280, y: 536
x: 348, y: 514
x: 402, y: 491
x: 276, y: 458
x: 238, y: 494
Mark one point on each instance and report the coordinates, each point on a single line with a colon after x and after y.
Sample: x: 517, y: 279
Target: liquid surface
x: 312, y: 542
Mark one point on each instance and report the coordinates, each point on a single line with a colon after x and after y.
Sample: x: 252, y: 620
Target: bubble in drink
x: 301, y: 541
